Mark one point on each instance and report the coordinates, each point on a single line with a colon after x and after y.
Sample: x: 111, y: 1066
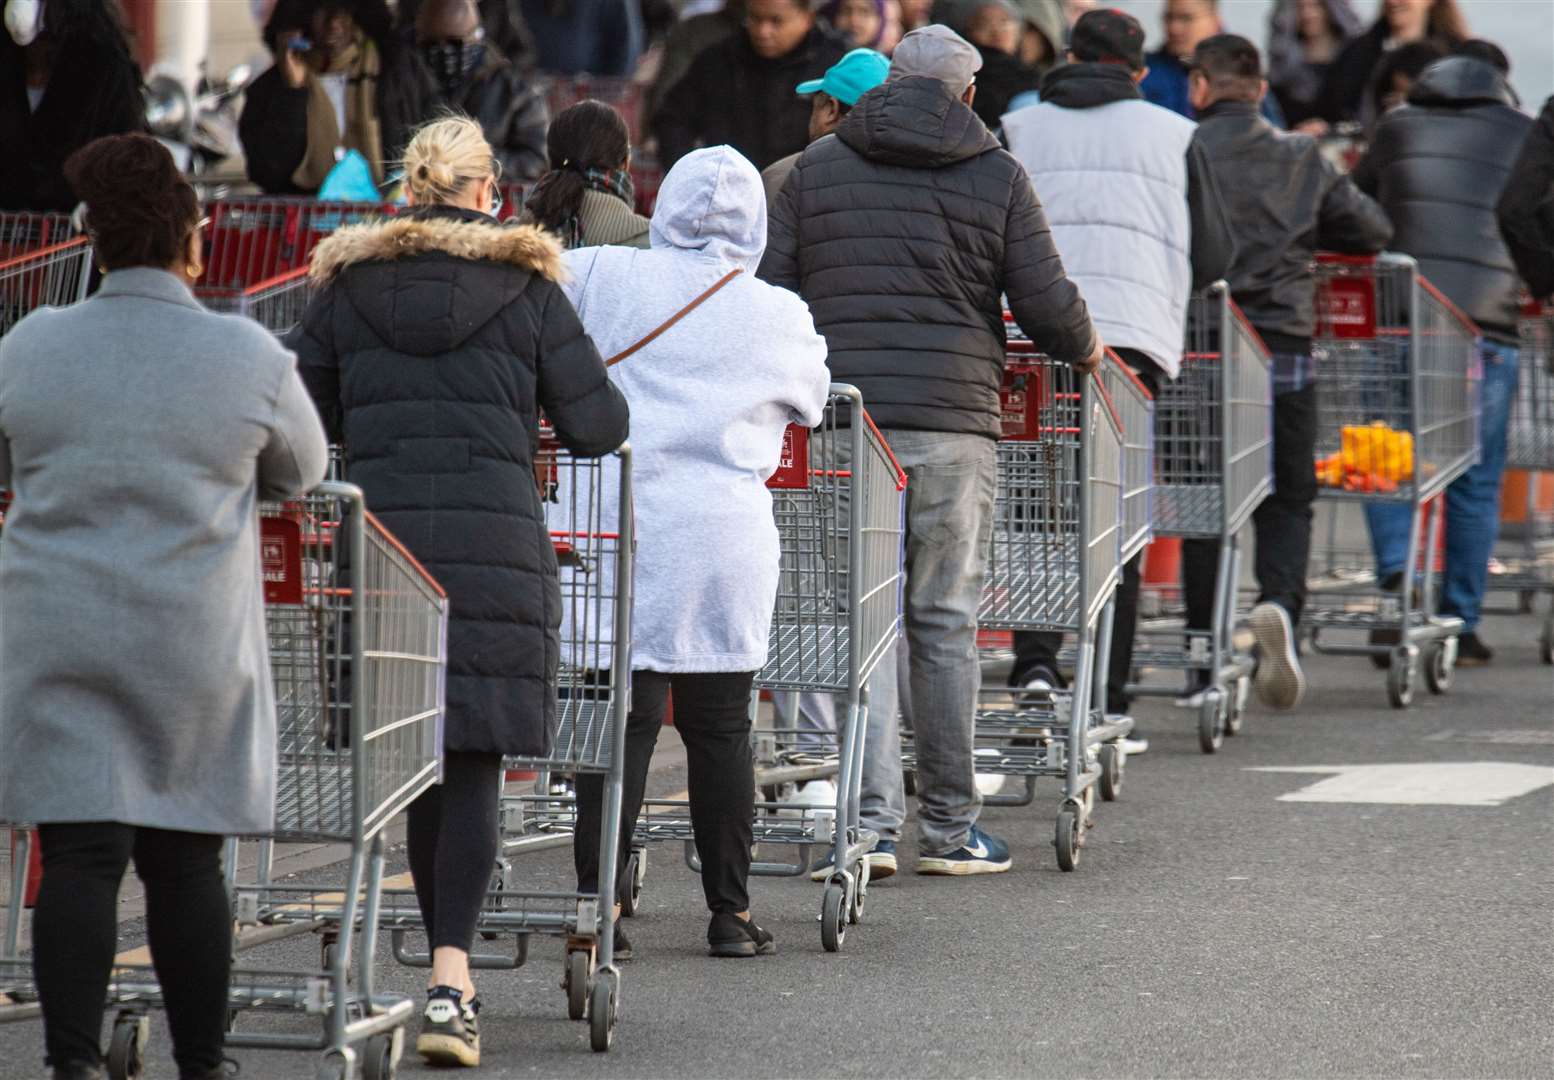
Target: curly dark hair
x: 372, y: 16
x: 139, y: 208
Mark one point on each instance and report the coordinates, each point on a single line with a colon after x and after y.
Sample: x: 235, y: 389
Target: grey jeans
x: 951, y: 481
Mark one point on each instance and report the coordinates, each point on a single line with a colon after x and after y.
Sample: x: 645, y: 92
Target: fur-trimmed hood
x: 427, y: 280
x: 467, y: 236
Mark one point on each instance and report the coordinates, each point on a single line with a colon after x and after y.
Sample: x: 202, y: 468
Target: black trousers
x: 1035, y: 650
x: 75, y: 934
x: 1282, y: 522
x: 452, y: 833
x: 712, y: 716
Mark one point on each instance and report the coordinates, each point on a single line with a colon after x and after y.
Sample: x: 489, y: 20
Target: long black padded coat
x: 434, y: 342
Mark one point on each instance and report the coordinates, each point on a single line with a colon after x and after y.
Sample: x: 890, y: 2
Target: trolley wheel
x: 1112, y: 761
x: 1400, y: 678
x: 602, y: 1012
x: 380, y: 1057
x: 859, y: 893
x: 1067, y: 840
x: 1213, y: 717
x: 576, y: 983
x: 833, y: 917
x: 1440, y: 661
x: 631, y: 885
x: 127, y: 1048
x: 1240, y: 693
x: 337, y: 1064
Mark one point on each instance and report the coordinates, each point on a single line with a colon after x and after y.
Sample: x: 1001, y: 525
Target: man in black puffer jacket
x: 1527, y: 206
x: 1284, y: 201
x: 901, y: 231
x: 1438, y: 166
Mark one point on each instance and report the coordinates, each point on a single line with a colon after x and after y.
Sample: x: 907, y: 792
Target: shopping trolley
x: 49, y: 276
x: 254, y: 240
x: 276, y: 303
x: 1527, y: 568
x: 1397, y: 421
x: 357, y: 643
x: 24, y: 231
x: 589, y: 513
x: 1213, y: 467
x: 1053, y: 565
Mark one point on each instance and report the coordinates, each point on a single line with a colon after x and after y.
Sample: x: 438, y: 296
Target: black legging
x: 712, y: 715
x: 75, y: 933
x: 452, y: 835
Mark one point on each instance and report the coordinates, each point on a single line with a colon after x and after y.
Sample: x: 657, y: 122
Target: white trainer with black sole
x: 1280, y: 683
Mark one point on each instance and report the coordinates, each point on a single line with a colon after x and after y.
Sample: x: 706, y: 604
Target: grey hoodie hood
x: 712, y: 201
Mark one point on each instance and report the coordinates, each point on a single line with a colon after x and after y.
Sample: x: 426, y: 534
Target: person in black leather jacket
x: 1526, y: 209
x: 1438, y: 166
x: 1285, y: 201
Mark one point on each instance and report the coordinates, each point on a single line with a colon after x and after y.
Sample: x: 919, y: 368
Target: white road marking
x: 1456, y: 783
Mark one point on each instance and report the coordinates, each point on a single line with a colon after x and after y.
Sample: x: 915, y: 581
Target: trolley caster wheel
x: 576, y: 983
x: 631, y: 885
x: 337, y: 1065
x: 1067, y: 840
x: 127, y: 1048
x: 860, y: 892
x: 380, y: 1057
x: 1240, y: 694
x: 602, y: 1012
x: 1400, y: 677
x: 1112, y: 762
x: 1440, y: 661
x: 833, y: 917
x: 1087, y: 813
x: 1213, y: 719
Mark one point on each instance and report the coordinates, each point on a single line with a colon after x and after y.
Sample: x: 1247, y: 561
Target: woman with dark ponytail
x: 587, y: 197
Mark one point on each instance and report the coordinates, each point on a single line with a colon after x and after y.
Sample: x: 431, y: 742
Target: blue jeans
x: 1472, y: 501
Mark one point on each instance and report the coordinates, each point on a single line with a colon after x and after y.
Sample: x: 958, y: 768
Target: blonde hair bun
x: 445, y: 156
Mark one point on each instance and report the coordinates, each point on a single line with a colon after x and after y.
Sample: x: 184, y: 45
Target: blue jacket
x: 600, y: 37
x: 1166, y: 86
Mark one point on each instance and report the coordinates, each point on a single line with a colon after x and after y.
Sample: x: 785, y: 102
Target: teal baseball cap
x: 851, y: 77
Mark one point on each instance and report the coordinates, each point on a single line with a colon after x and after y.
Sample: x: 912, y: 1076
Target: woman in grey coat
x: 138, y: 433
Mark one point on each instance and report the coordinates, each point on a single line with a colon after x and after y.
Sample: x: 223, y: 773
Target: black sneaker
x: 729, y: 935
x: 1392, y: 583
x: 622, y: 944
x: 450, y: 1031
x: 1471, y: 650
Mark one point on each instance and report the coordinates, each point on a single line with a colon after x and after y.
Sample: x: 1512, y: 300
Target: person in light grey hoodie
x: 710, y: 399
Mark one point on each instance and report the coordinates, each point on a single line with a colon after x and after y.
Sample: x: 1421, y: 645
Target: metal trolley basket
x: 276, y: 303
x: 357, y: 641
x: 51, y: 275
x: 1213, y: 467
x: 1398, y: 418
x: 1054, y: 564
x: 1529, y: 569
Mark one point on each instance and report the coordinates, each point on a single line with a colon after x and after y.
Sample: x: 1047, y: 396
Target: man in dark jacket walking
x: 902, y: 231
x: 453, y: 67
x: 1136, y: 212
x: 1438, y: 166
x: 740, y: 91
x: 1284, y: 201
x: 1526, y: 209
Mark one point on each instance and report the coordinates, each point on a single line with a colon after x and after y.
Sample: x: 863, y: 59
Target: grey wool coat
x: 138, y: 432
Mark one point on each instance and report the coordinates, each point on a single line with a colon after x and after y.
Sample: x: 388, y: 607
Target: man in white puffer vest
x: 1138, y: 220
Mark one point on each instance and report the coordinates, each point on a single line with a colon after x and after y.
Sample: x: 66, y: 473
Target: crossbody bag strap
x: 676, y: 317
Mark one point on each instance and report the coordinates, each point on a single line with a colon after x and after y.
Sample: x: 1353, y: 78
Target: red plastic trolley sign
x: 280, y: 559
x: 1346, y: 306
x: 793, y: 467
x: 1020, y: 400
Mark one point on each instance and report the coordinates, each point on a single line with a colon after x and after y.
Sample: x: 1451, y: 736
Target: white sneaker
x: 1035, y: 693
x: 1133, y: 745
x: 813, y: 793
x: 989, y: 783
x: 1280, y: 683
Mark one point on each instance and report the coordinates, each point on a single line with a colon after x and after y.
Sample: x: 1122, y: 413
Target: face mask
x: 24, y: 20
x: 451, y: 61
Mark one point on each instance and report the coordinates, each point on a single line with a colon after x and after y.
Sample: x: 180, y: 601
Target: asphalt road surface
x: 1215, y: 928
